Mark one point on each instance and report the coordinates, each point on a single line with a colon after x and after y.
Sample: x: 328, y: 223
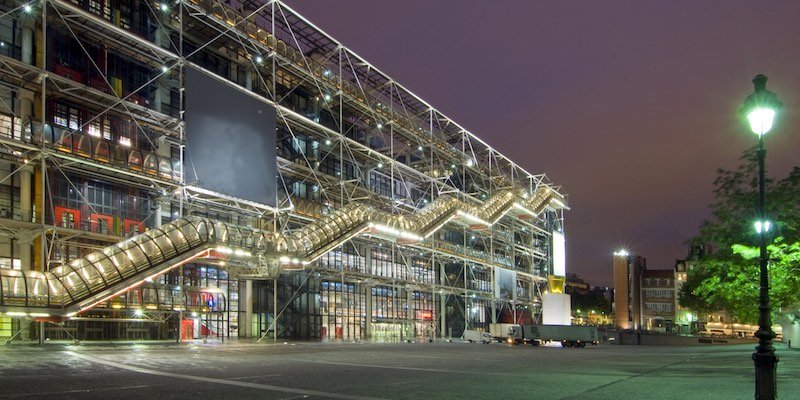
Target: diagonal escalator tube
x: 84, y: 282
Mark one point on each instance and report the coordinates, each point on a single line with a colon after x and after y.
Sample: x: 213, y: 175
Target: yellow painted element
x: 555, y: 284
x: 37, y: 108
x: 5, y: 327
x: 116, y: 83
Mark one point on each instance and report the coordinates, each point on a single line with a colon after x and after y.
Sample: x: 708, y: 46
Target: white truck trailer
x: 476, y: 336
x: 499, y: 331
x: 568, y: 335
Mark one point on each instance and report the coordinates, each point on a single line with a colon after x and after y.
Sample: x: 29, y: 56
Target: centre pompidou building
x: 201, y: 168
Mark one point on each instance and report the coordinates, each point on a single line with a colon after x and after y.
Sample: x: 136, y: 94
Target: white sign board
x: 559, y: 254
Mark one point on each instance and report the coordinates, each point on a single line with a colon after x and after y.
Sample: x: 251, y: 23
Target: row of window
x: 97, y: 197
x: 140, y: 17
x: 127, y: 76
x: 657, y: 282
x: 659, y: 293
x: 342, y: 299
x: 352, y: 259
x: 659, y: 307
x: 76, y: 119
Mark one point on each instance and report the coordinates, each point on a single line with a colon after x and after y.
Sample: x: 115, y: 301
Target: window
x: 658, y: 293
x: 125, y: 15
x: 67, y: 116
x: 102, y: 225
x: 479, y: 279
x: 101, y: 8
x: 100, y: 127
x: 422, y: 270
x: 67, y: 220
x: 423, y: 305
x: 74, y: 119
x: 13, y: 263
x: 94, y: 129
x: 299, y: 189
x: 300, y: 144
x: 383, y: 264
x: 659, y: 307
x: 127, y: 134
x: 389, y: 302
x: 380, y: 184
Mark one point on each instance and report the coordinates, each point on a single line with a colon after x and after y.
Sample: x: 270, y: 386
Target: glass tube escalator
x: 84, y: 282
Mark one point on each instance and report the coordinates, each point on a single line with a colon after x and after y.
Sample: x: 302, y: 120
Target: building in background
x: 686, y: 321
x: 575, y: 285
x: 628, y: 269
x: 590, y: 304
x: 658, y: 300
x: 643, y: 299
x: 389, y: 221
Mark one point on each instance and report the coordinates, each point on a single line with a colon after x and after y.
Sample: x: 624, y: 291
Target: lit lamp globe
x: 761, y: 106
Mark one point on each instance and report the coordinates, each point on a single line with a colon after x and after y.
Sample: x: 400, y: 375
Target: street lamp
x: 760, y: 109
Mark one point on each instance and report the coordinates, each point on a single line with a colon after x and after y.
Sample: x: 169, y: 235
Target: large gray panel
x: 230, y: 140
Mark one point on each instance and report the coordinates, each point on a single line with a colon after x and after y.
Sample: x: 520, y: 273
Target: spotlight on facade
x: 164, y: 69
x: 259, y: 59
x: 328, y: 142
x: 621, y: 253
x: 27, y: 8
x: 380, y: 125
x: 380, y: 165
x: 327, y: 97
x: 138, y: 313
x: 164, y: 7
x: 419, y: 147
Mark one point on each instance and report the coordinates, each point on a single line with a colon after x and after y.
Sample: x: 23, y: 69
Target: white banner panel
x: 559, y: 254
x: 505, y: 284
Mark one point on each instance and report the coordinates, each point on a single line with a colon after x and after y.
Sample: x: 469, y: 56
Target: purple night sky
x: 630, y: 106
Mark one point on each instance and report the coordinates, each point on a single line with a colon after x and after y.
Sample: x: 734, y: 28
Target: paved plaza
x: 383, y: 371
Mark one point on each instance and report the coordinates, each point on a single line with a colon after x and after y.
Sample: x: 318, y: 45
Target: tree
x: 590, y: 301
x: 727, y: 278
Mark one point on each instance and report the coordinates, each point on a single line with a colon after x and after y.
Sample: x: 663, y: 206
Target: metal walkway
x: 85, y: 282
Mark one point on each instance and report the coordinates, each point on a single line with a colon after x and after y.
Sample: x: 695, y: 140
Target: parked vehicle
x: 568, y: 335
x: 476, y: 336
x: 499, y: 332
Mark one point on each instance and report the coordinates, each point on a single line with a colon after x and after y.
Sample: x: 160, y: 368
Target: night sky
x: 629, y: 106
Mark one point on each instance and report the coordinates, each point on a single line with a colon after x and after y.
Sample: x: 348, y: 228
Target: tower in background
x: 628, y: 269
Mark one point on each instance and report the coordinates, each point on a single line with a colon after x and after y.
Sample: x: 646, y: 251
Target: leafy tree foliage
x: 591, y: 301
x: 728, y: 277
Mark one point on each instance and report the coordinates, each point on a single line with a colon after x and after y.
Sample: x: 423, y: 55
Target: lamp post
x: 760, y: 109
